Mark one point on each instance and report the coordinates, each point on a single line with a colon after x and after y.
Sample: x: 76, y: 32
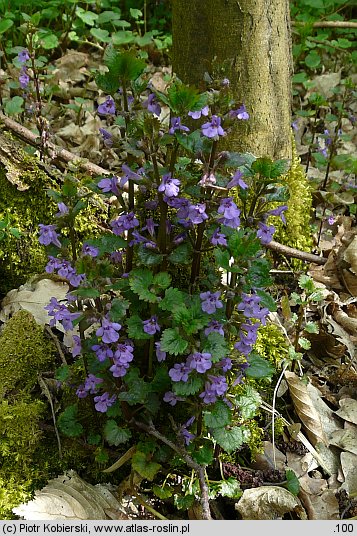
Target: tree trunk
x: 248, y: 42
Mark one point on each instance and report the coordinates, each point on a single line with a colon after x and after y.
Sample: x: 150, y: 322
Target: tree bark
x: 248, y: 42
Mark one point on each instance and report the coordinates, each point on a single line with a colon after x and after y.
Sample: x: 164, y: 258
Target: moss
x: 24, y: 352
x: 271, y: 344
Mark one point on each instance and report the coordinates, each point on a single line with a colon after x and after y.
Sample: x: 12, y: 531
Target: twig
x: 47, y: 393
x: 328, y: 24
x: 54, y: 152
x: 199, y: 469
x: 57, y: 343
x: 296, y: 253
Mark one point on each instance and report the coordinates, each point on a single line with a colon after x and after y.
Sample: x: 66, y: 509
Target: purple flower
x: 213, y: 129
x: 63, y: 210
x: 225, y: 364
x: 240, y: 113
x: 160, y: 354
x: 237, y: 181
x: 198, y: 115
x: 77, y: 347
x: 107, y: 137
x: 251, y: 308
x: 107, y: 107
x: 208, y: 179
x: 218, y: 238
x: 214, y: 327
x: 265, y: 232
x: 295, y: 125
x: 60, y: 314
x: 23, y: 56
x: 102, y: 351
x: 248, y: 338
x: 53, y: 264
x: 91, y: 251
x: 171, y: 398
x: 169, y: 186
x: 129, y: 174
x: 179, y: 372
x: 124, y: 223
x: 152, y: 105
x: 108, y: 331
x: 210, y: 302
x: 24, y: 78
x: 123, y: 354
x: 81, y: 392
x: 187, y: 436
x: 218, y: 385
x: 199, y: 361
x: 196, y: 213
x: 118, y: 370
x: 228, y: 208
x: 331, y: 220
x: 278, y: 212
x: 48, y: 235
x: 103, y: 402
x: 176, y: 125
x: 116, y: 256
x: 109, y: 185
x: 328, y: 139
x: 91, y: 383
x: 150, y: 227
x: 208, y: 395
x: 151, y: 326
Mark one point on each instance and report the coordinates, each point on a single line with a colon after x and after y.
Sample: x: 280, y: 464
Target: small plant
x: 165, y: 305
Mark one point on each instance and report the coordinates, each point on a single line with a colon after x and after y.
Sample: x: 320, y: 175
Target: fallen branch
x: 54, y: 152
x: 296, y: 253
x: 328, y: 24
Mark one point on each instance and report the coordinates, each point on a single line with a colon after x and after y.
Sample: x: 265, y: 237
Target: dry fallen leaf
x: 268, y: 502
x: 349, y: 469
x: 345, y: 439
x: 348, y: 410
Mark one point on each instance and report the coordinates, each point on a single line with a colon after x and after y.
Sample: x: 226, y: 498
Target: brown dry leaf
x: 345, y: 439
x: 268, y: 502
x: 348, y: 410
x: 348, y: 267
x: 305, y: 409
x: 349, y: 469
x: 323, y: 507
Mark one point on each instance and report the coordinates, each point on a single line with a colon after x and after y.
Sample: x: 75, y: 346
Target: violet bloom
x: 199, y: 361
x: 81, y: 392
x: 103, y: 402
x: 199, y: 113
x: 129, y: 174
x: 265, y: 232
x: 48, y: 235
x: 124, y: 223
x: 123, y: 354
x: 150, y: 227
x: 77, y: 347
x: 23, y: 56
x: 171, y: 398
x: 251, y: 308
x: 53, y: 264
x: 240, y: 113
x: 102, y: 351
x: 24, y: 78
x: 213, y: 129
x: 63, y: 210
x: 237, y: 181
x: 108, y: 331
x: 218, y: 384
x: 225, y: 364
x: 91, y: 383
x: 119, y: 371
x: 278, y: 212
x: 218, y: 238
x: 107, y: 107
x: 179, y: 372
x: 60, y: 314
x: 210, y: 302
x: 331, y: 220
x: 196, y: 213
x: 109, y: 185
x: 208, y: 179
x: 152, y: 105
x: 160, y: 354
x: 208, y: 395
x: 116, y: 256
x: 176, y: 125
x: 187, y: 436
x: 214, y: 327
x: 91, y: 251
x: 169, y: 186
x: 151, y: 326
x: 107, y: 137
x: 228, y: 208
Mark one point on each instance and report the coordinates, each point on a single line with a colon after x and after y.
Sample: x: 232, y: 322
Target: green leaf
x: 118, y: 309
x: 312, y: 60
x: 183, y: 502
x: 266, y: 300
x: 163, y: 492
x: 49, y: 41
x: 87, y: 292
x: 204, y: 455
x: 231, y: 439
x: 181, y: 255
x: 218, y: 416
x: 101, y: 35
x: 62, y: 373
x: 222, y: 258
x: 182, y: 98
x: 67, y: 422
x: 269, y: 169
x: 115, y: 435
x: 191, y: 318
x: 140, y: 280
x: 304, y: 343
x: 162, y: 280
x: 148, y: 257
x: 14, y: 105
x: 248, y: 403
x: 293, y: 484
x: 173, y: 298
x: 146, y: 468
x: 216, y: 345
x: 15, y: 232
x: 230, y: 488
x: 259, y: 367
x: 108, y: 16
x: 191, y: 142
x: 123, y: 37
x: 107, y: 243
x: 136, y: 13
x: 88, y: 17
x: 125, y: 66
x: 172, y: 342
x: 5, y: 24
x: 312, y: 327
x: 136, y: 328
x: 191, y: 387
x: 306, y: 283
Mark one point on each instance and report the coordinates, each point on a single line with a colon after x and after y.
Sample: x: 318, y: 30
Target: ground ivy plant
x: 164, y: 306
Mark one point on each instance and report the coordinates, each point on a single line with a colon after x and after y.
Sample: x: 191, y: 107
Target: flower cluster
x: 64, y: 269
x: 61, y: 314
